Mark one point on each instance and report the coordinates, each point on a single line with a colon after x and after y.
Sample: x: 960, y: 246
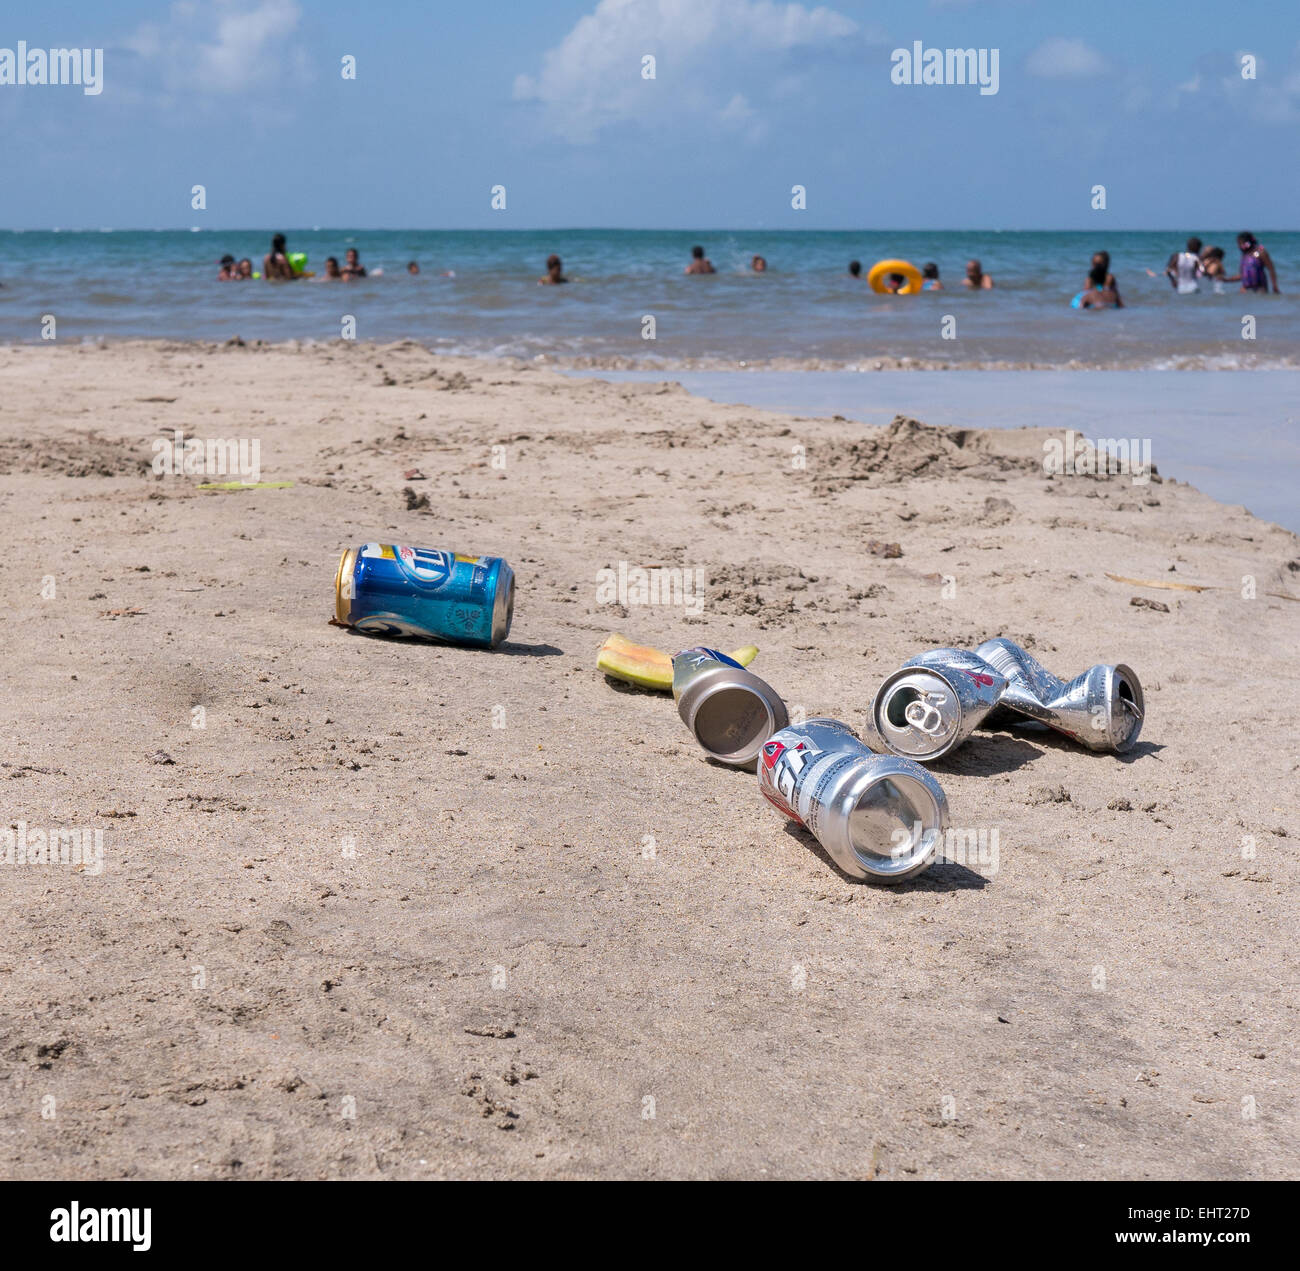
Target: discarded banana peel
x: 645, y: 667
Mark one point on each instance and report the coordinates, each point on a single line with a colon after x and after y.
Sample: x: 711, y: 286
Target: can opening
x: 899, y: 700
x: 732, y: 723
x: 894, y: 827
x: 1131, y: 707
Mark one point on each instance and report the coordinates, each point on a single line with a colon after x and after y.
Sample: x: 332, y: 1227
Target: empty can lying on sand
x: 879, y: 817
x: 1102, y: 708
x: 425, y: 593
x: 933, y: 703
x: 730, y: 711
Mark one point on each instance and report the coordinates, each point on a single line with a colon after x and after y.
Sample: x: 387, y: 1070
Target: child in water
x: 1100, y: 294
x: 1101, y: 260
x: 1212, y: 264
x: 554, y: 272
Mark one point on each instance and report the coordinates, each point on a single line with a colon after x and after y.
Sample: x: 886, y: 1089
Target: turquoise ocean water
x: 804, y: 313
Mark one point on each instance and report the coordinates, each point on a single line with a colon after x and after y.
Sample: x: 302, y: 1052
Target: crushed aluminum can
x: 1102, y: 708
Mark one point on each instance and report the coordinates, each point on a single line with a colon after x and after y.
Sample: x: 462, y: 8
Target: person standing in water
x: 1184, y: 268
x: 758, y: 265
x: 855, y: 269
x: 976, y: 278
x: 700, y: 263
x: 930, y: 274
x: 1256, y: 263
x: 275, y: 264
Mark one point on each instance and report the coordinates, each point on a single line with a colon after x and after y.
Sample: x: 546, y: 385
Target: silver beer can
x: 879, y: 817
x: 933, y: 703
x: 1102, y: 708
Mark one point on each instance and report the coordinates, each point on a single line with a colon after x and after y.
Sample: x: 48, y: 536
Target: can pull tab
x: 923, y: 714
x: 1128, y: 704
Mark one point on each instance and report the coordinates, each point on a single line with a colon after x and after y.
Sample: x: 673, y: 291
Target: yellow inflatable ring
x: 883, y: 268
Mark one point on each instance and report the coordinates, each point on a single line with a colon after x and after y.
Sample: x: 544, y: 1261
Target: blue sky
x: 749, y: 99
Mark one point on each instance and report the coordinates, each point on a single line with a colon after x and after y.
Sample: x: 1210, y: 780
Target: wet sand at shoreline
x: 1237, y: 437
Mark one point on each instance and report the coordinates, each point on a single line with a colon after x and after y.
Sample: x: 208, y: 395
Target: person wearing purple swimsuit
x: 1256, y: 265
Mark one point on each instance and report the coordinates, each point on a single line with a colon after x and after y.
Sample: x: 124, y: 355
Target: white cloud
x: 1272, y: 97
x: 593, y: 76
x: 1062, y: 58
x: 221, y: 46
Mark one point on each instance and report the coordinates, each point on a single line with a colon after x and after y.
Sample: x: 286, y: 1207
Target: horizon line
x: 623, y: 229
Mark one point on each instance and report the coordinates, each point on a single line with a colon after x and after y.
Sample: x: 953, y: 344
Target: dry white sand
x: 502, y: 980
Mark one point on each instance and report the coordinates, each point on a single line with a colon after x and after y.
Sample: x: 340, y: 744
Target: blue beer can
x: 387, y: 589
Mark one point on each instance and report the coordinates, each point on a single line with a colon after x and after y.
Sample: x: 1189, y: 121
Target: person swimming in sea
x: 275, y: 264
x: 976, y: 278
x: 244, y: 270
x: 332, y: 272
x: 227, y: 271
x: 554, y: 272
x: 700, y: 263
x: 930, y: 278
x: 855, y: 269
x: 1256, y: 265
x: 1101, y: 260
x: 1098, y: 294
x: 894, y: 283
x: 352, y: 266
x: 758, y: 265
x: 412, y: 268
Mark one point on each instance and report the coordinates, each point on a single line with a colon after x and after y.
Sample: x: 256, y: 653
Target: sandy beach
x: 399, y: 910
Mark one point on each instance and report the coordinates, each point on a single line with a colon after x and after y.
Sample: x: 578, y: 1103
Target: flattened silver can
x: 1101, y: 708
